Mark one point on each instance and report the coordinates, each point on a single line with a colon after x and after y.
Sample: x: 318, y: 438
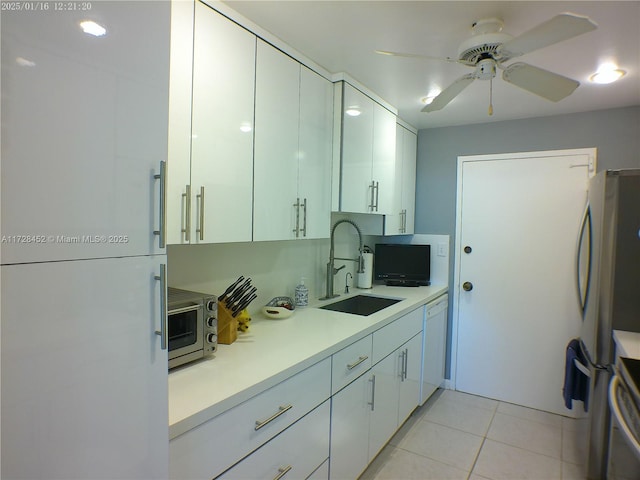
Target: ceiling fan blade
x: 449, y: 93
x: 559, y: 28
x: 542, y: 82
x: 415, y: 55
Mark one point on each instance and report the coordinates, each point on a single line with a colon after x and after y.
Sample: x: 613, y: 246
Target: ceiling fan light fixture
x: 608, y: 75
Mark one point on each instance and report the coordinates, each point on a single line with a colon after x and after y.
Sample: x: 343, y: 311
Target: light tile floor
x: 460, y: 436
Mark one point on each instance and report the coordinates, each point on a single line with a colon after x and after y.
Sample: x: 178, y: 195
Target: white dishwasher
x: 434, y: 346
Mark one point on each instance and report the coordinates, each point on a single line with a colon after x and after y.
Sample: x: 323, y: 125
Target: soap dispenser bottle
x: 302, y: 294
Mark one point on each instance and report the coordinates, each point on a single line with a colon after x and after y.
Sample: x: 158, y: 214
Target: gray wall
x: 614, y: 132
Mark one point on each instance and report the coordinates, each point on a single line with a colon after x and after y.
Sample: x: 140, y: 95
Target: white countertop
x: 273, y: 350
x: 627, y: 344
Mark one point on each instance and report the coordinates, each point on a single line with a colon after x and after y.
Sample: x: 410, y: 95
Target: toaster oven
x: 192, y: 325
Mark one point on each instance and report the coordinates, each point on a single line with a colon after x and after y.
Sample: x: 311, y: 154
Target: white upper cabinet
x: 368, y: 154
x: 213, y: 204
x: 292, y: 160
x: 315, y: 153
x: 84, y: 126
x: 276, y: 137
x: 401, y: 220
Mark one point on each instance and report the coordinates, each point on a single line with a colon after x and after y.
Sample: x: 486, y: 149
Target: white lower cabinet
x: 321, y: 473
x: 295, y: 453
x: 211, y: 448
x: 384, y: 409
x: 368, y: 411
x: 350, y: 413
x: 293, y: 430
x: 409, y: 395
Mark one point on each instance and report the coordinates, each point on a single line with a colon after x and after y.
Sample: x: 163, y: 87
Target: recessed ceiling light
x: 92, y: 28
x: 607, y: 76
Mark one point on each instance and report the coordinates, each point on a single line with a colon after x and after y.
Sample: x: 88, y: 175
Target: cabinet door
x: 315, y: 153
x: 357, y: 151
x: 275, y: 187
x: 384, y: 158
x: 394, y: 222
x: 297, y: 452
x: 222, y: 129
x: 409, y: 396
x: 179, y: 161
x: 84, y: 380
x: 409, y: 158
x: 384, y: 412
x: 350, y: 410
x: 84, y: 126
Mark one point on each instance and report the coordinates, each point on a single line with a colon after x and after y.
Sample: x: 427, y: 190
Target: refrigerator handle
x: 585, y: 228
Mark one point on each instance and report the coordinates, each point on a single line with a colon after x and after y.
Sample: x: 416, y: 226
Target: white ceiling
x: 341, y: 36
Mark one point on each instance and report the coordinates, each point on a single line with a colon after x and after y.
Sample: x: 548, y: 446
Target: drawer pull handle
x: 281, y: 410
x: 282, y: 471
x: 353, y: 365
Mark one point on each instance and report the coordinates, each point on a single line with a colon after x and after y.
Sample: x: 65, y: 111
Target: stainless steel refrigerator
x: 608, y: 273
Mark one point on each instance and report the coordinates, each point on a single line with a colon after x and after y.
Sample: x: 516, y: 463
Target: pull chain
x: 491, y: 96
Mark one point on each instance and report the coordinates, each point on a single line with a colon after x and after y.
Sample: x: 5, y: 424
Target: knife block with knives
x: 235, y: 299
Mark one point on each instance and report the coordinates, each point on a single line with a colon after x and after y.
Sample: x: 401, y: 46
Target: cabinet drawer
x: 390, y: 337
x: 295, y: 453
x: 349, y: 363
x: 211, y: 448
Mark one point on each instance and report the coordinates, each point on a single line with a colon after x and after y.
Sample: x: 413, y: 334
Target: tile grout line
x: 484, y: 438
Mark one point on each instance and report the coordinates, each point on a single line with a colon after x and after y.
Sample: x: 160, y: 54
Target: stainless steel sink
x: 361, y: 304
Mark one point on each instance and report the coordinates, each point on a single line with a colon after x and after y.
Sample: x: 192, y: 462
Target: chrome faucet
x: 346, y: 282
x: 331, y: 270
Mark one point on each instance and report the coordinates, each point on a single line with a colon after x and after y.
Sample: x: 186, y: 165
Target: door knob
x: 467, y: 286
x: 467, y: 249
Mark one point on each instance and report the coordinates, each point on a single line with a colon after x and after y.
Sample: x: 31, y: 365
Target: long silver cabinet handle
x: 163, y: 306
x: 281, y: 409
x: 187, y: 213
x: 372, y: 203
x: 162, y: 223
x: 353, y: 365
x: 201, y: 229
x: 304, y: 218
x: 377, y: 191
x: 297, y: 207
x: 402, y: 365
x: 406, y: 363
x: 282, y: 471
x: 373, y: 393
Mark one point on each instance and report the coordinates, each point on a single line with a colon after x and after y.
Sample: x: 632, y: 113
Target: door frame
x: 591, y: 152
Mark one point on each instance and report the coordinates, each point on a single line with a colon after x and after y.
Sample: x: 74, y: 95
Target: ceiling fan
x: 489, y: 48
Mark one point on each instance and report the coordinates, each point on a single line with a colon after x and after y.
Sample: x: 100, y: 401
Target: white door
x: 84, y: 127
x: 517, y: 228
x: 84, y: 378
